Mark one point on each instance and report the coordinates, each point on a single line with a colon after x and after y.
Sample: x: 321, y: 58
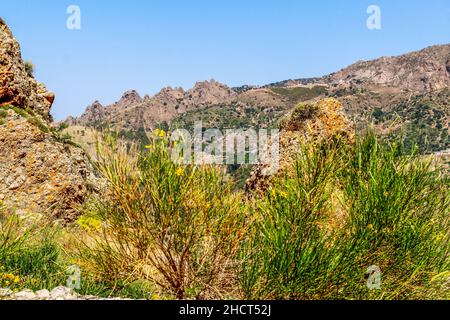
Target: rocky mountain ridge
x: 421, y: 71
x: 170, y: 103
x: 362, y: 88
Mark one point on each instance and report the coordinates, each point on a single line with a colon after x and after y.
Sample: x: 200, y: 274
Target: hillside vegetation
x: 159, y: 230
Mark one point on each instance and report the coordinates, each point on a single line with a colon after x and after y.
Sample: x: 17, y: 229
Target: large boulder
x: 310, y: 124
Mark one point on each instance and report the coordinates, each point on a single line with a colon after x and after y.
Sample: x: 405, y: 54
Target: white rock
x: 43, y: 294
x: 5, y: 292
x: 63, y: 293
x: 25, y: 295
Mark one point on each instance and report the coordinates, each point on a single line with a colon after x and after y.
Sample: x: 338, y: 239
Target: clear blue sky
x: 148, y: 44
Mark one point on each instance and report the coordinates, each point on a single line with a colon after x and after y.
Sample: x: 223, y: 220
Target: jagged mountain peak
x: 128, y: 98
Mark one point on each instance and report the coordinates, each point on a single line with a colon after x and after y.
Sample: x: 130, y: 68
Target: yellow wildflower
x: 89, y: 223
x: 370, y: 226
x: 179, y: 172
x: 440, y: 236
x: 158, y: 133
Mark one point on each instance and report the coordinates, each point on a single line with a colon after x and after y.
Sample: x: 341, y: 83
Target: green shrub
x: 62, y: 127
x: 177, y: 227
x: 290, y: 254
x: 29, y: 68
x: 38, y: 123
x: 3, y: 113
x: 398, y: 211
x: 17, y: 110
x: 298, y: 116
x: 344, y: 209
x: 29, y: 255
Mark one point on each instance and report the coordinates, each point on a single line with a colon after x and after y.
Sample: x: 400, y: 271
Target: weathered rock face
x: 38, y: 174
x: 16, y: 87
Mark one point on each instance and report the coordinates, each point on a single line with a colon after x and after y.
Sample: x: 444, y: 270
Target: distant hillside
x: 413, y: 87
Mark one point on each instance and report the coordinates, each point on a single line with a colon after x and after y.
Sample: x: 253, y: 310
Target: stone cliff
x: 39, y: 175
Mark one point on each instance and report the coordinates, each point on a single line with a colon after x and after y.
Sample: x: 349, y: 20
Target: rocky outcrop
x: 307, y: 123
x: 17, y: 88
x: 129, y: 98
x: 93, y: 114
x: 38, y: 174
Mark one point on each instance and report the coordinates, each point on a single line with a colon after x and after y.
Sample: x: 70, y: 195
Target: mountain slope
x: 366, y: 89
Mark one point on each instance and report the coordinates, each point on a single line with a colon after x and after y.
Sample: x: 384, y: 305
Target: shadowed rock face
x: 38, y: 174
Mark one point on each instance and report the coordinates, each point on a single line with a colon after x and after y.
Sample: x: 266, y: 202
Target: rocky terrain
x: 308, y: 123
x: 58, y: 293
x: 38, y: 173
x: 421, y: 71
x: 414, y: 86
x: 133, y: 113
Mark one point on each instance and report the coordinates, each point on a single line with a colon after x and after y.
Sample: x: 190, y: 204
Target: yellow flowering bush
x: 176, y: 226
x: 8, y: 280
x: 89, y: 223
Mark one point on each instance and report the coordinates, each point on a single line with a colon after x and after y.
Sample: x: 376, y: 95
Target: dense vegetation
x: 425, y: 121
x: 163, y: 231
x: 229, y: 117
x: 299, y: 94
